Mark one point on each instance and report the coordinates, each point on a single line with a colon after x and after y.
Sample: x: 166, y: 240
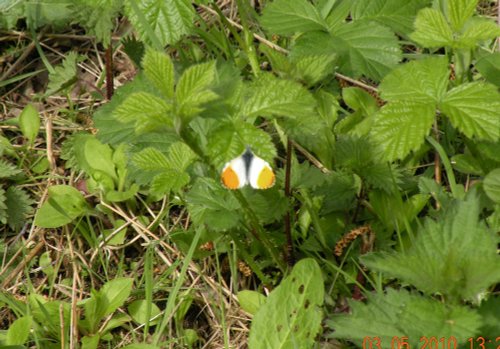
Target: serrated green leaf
x: 29, y: 122
x: 3, y: 206
x: 432, y: 29
x: 18, y: 207
x: 491, y: 317
x: 360, y: 100
x: 468, y: 164
x: 312, y: 69
x: 397, y: 15
x: 286, y: 17
x: 64, y: 75
x: 475, y: 31
x: 404, y: 315
x: 492, y: 185
x: 422, y: 81
x: 213, y: 206
x: 231, y: 138
x: 271, y: 96
x: 169, y: 180
x: 313, y: 43
x: 268, y: 205
x: 8, y: 170
x: 459, y: 11
x: 339, y: 192
x: 291, y: 316
x: 194, y: 88
x: 180, y: 156
x: 150, y: 159
x: 401, y: 127
x: 473, y: 108
x: 489, y: 67
x: 146, y: 110
x: 366, y: 48
x: 441, y: 261
x: 168, y: 20
x: 64, y: 204
x: 159, y: 69
x: 97, y: 17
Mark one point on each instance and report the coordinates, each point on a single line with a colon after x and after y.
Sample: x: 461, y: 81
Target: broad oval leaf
x: 116, y: 292
x: 64, y: 204
x: 139, y: 312
x: 291, y: 316
x: 29, y: 122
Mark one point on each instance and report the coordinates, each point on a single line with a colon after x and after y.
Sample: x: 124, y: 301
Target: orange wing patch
x: 266, y: 178
x: 230, y: 178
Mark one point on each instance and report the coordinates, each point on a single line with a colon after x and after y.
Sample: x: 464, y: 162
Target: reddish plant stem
x: 109, y: 72
x: 288, y: 230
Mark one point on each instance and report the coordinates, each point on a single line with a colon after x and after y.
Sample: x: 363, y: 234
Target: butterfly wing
x: 234, y: 175
x: 260, y: 174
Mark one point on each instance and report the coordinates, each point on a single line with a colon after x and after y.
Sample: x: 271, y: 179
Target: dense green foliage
x: 389, y: 111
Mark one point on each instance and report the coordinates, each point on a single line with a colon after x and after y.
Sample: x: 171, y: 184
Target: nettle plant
x: 169, y: 132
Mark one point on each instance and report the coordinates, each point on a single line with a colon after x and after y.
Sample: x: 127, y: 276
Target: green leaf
x: 193, y: 88
x: 473, y: 108
x: 477, y: 30
x: 366, y: 48
x: 492, y: 185
x: 116, y: 293
x: 489, y: 67
x: 139, y: 312
x: 270, y: 96
x: 64, y: 204
x: 312, y: 69
x: 286, y: 17
x: 251, y: 301
x: 213, y: 206
x: 150, y: 159
x: 97, y: 17
x: 169, y: 180
x: 64, y: 75
x: 231, y: 138
x: 459, y: 11
x: 291, y: 316
x: 268, y: 205
x: 19, y: 331
x: 360, y: 100
x: 90, y: 342
x: 29, y: 122
x: 99, y: 157
x: 440, y: 259
x: 146, y: 110
x: 401, y: 127
x: 3, y: 206
x: 432, y: 29
x: 180, y: 156
x: 159, y: 69
x: 18, y: 207
x: 422, y: 81
x: 167, y: 20
x: 8, y: 170
x: 491, y: 317
x: 397, y: 15
x: 404, y: 315
x: 141, y: 346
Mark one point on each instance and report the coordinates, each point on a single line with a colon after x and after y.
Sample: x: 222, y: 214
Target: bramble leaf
x: 366, y: 48
x: 441, y: 261
x: 159, y: 69
x: 401, y: 127
x: 167, y: 20
x: 432, y: 29
x: 18, y: 207
x: 422, y: 81
x: 473, y: 108
x: 270, y: 96
x: 459, y: 11
x: 286, y: 17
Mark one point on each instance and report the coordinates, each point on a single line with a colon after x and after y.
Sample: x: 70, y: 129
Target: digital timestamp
x: 451, y: 342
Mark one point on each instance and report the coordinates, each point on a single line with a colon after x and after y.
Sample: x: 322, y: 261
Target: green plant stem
x: 288, y: 229
x: 259, y: 232
x: 447, y: 166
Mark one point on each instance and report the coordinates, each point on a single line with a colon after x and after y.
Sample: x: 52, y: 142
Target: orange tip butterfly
x: 247, y: 168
